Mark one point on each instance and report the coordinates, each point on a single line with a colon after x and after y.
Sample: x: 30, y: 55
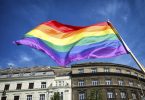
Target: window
x: 138, y: 84
x: 31, y: 85
x: 59, y: 83
x: 81, y: 83
x: 109, y: 95
x: 7, y: 87
x: 135, y: 74
x: 130, y: 83
x: 142, y: 76
x: 95, y: 82
x: 118, y: 70
x: 81, y: 71
x: 94, y: 70
x: 43, y: 84
x: 9, y: 75
x: 50, y: 91
x: 81, y: 96
x: 106, y: 69
x: 61, y: 96
x: 108, y: 82
x: 62, y: 83
x: 42, y: 96
x: 16, y: 97
x: 29, y: 97
x: 120, y: 82
x: 3, y: 98
x: 56, y: 83
x: 128, y: 72
x: 32, y: 73
x: 66, y: 91
x: 133, y: 96
x: 18, y: 86
x: 122, y: 95
x: 21, y: 74
x: 67, y: 84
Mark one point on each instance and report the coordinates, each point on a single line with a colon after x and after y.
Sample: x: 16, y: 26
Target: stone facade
x: 106, y: 81
x: 88, y: 81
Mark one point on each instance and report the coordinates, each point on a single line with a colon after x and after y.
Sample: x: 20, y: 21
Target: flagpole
x: 127, y: 48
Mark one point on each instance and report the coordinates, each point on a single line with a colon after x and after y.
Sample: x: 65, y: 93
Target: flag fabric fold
x: 66, y: 43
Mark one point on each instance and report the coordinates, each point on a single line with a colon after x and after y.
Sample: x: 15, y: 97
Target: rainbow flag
x: 66, y: 43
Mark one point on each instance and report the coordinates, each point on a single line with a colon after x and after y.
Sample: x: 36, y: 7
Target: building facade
x: 88, y: 81
x: 106, y: 81
x: 32, y: 83
x: 61, y: 84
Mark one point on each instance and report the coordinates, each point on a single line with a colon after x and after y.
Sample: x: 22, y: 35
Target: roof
x: 90, y: 64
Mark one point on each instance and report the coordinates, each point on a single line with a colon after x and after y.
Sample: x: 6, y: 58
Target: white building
x: 61, y: 84
x: 32, y: 83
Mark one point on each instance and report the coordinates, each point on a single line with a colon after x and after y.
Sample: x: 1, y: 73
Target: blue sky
x: 20, y: 16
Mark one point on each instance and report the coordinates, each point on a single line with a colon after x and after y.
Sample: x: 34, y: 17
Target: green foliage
x: 100, y: 95
x: 55, y: 96
x: 95, y: 94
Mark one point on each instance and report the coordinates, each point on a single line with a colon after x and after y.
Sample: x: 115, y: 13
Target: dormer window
x: 128, y: 72
x: 120, y: 82
x: 108, y: 82
x: 94, y: 70
x: 81, y: 71
x: 106, y: 69
x: 118, y: 70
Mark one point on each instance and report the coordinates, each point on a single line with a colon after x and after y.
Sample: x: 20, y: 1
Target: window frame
x: 95, y: 82
x: 30, y: 86
x: 81, y: 96
x: 110, y: 94
x: 118, y: 70
x: 93, y: 70
x: 4, y: 98
x: 19, y: 88
x: 130, y: 83
x: 108, y: 82
x: 43, y: 86
x: 81, y: 83
x: 7, y: 88
x: 106, y: 70
x: 134, y: 95
x: 120, y: 82
x: 42, y: 96
x: 29, y: 97
x: 16, y: 98
x: 81, y: 70
x: 123, y: 95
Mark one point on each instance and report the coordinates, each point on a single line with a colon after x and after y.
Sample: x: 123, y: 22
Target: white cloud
x: 112, y: 9
x: 109, y: 9
x: 11, y: 64
x: 25, y: 58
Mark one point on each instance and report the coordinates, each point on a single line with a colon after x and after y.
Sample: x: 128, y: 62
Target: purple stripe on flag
x: 104, y: 49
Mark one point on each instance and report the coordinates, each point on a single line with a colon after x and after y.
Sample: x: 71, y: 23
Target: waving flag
x: 66, y: 43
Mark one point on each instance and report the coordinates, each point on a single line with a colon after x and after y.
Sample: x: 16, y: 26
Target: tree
x: 55, y: 96
x: 95, y: 94
x: 100, y: 95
